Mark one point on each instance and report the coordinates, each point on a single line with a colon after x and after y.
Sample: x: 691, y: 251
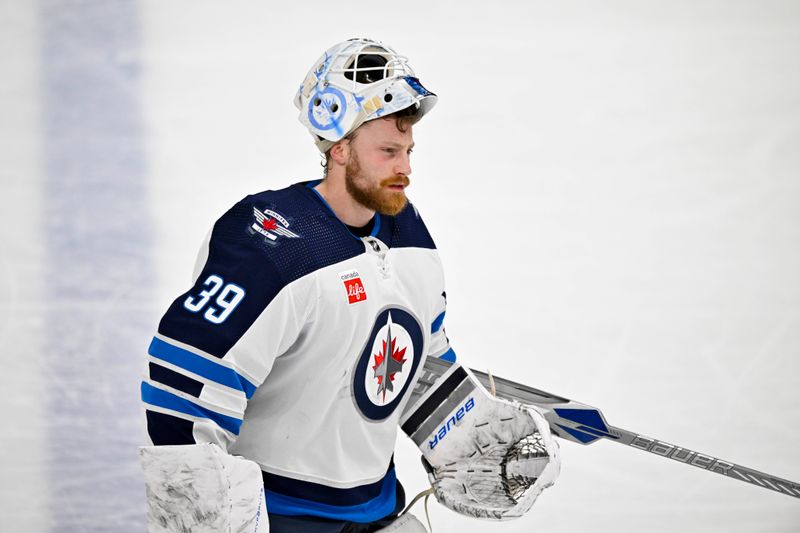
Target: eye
x: 391, y: 151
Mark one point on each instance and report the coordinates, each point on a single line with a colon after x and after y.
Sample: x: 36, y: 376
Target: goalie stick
x: 584, y: 424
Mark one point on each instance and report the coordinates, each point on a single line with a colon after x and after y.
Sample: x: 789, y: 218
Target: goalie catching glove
x: 486, y: 457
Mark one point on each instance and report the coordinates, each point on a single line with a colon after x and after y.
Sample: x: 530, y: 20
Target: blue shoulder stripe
x: 369, y: 511
x: 200, y: 366
x: 437, y: 324
x: 449, y: 355
x: 167, y: 400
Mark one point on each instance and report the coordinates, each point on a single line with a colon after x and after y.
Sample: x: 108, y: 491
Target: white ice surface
x: 614, y: 188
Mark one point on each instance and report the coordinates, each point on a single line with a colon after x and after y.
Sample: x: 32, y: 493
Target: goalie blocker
x: 486, y: 457
x: 202, y: 489
x: 199, y: 488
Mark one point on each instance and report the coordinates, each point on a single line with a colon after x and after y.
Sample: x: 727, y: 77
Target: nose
x: 403, y: 164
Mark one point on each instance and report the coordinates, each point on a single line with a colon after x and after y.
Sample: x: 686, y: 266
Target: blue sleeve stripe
x: 369, y: 511
x: 160, y: 398
x: 437, y: 324
x: 449, y: 355
x: 200, y: 366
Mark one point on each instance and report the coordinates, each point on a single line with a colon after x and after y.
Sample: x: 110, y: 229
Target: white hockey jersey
x: 298, y: 347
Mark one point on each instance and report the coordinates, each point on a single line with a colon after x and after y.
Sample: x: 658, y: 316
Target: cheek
x: 372, y: 168
x: 382, y: 167
x: 375, y: 164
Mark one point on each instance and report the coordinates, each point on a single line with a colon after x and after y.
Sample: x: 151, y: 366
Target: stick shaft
x: 706, y: 462
x: 585, y: 424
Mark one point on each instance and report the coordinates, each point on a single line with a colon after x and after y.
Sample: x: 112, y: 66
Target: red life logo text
x: 353, y: 286
x: 355, y: 290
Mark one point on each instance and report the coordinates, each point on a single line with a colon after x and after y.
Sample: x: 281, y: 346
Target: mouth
x: 396, y: 185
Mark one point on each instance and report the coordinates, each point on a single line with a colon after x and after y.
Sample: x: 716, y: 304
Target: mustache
x: 396, y: 180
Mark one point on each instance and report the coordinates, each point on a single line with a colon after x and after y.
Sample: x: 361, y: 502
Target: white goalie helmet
x: 353, y: 82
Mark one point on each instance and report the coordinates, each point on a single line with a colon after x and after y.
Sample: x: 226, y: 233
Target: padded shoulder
x: 259, y: 246
x: 295, y: 232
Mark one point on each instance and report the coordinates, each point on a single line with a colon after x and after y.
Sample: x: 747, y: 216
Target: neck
x: 344, y: 206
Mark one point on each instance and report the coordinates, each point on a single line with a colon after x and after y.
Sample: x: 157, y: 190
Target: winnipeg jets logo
x: 326, y: 109
x: 271, y: 225
x: 388, y: 363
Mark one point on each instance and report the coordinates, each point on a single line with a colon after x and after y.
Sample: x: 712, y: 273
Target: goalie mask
x: 354, y: 82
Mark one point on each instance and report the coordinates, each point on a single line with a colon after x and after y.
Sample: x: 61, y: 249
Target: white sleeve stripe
x: 200, y: 402
x: 162, y: 398
x: 234, y: 394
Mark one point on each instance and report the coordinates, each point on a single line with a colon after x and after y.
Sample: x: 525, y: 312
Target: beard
x: 376, y: 197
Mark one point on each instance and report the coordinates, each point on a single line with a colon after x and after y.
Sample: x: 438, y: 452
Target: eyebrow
x: 398, y: 145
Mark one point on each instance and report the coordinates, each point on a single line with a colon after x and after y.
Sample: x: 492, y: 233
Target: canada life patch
x: 387, y: 364
x: 353, y: 286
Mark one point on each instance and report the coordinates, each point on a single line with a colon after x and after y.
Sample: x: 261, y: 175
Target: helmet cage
x: 393, y: 65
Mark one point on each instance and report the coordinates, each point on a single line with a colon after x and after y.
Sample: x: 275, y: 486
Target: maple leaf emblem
x: 386, y: 367
x: 269, y: 223
x: 272, y: 225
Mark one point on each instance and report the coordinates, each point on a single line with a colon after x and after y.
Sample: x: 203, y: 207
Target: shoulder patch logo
x: 354, y: 286
x: 271, y: 225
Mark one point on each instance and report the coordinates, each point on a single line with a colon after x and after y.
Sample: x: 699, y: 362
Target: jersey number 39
x: 222, y: 306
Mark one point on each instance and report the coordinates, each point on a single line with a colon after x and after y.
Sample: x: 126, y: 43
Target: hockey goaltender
x: 277, y: 383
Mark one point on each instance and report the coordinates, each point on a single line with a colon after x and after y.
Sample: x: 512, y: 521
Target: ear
x: 340, y: 152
